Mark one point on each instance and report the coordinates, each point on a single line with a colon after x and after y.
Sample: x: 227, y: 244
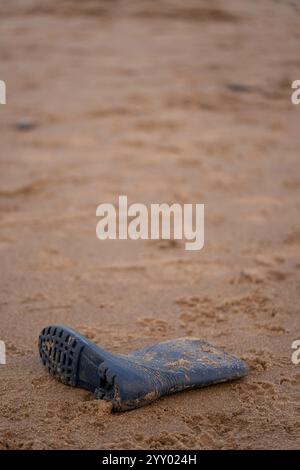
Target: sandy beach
x: 168, y: 101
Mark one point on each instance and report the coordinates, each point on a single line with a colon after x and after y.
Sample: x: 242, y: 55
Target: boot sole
x: 71, y: 358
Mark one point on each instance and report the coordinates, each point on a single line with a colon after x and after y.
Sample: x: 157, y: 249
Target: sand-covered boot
x: 140, y: 377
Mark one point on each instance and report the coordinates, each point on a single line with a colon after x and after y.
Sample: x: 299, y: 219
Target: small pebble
x: 239, y: 88
x: 25, y: 124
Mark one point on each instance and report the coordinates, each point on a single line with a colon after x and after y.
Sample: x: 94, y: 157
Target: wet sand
x: 169, y: 102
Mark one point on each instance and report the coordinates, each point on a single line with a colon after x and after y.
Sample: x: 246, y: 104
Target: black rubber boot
x: 140, y: 377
